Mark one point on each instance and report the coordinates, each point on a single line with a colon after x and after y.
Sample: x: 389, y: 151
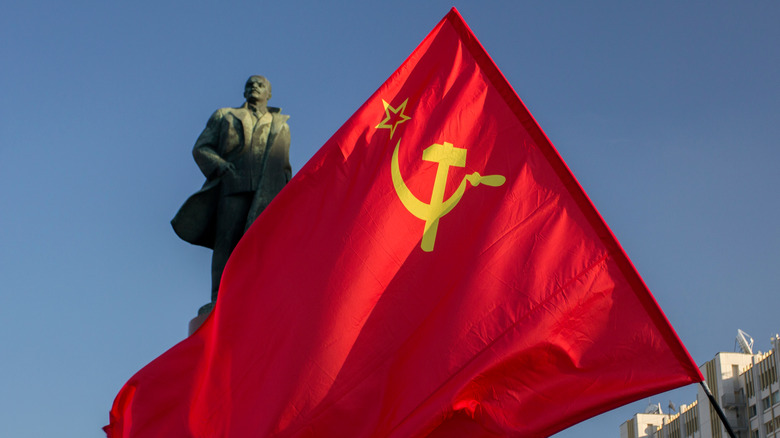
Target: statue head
x: 257, y: 90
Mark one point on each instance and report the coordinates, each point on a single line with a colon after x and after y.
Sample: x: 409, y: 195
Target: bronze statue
x: 244, y: 155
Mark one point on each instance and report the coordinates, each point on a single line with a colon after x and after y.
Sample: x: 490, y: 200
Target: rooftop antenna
x: 653, y: 408
x: 745, y: 342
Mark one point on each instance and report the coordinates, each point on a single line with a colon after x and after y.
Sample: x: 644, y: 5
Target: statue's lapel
x: 246, y: 123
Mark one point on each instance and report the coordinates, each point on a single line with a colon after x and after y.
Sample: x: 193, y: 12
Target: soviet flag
x: 435, y: 269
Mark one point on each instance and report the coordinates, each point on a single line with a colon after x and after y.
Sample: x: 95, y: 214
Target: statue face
x: 257, y: 89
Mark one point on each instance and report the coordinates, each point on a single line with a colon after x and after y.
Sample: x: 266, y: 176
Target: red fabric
x: 525, y: 318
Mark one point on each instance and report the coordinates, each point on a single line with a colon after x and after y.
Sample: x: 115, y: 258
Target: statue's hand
x: 226, y: 166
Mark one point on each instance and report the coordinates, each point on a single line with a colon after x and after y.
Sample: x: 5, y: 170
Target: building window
x: 765, y: 404
x: 775, y: 397
x: 753, y: 434
x: 752, y: 411
x: 772, y: 425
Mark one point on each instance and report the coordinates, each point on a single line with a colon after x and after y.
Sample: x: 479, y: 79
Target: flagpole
x: 715, y: 405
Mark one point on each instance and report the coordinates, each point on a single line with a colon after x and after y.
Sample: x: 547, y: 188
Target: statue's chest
x: 244, y: 137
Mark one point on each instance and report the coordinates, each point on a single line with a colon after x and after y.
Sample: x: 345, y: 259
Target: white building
x: 745, y: 385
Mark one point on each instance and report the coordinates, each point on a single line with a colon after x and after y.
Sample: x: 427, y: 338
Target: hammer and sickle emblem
x: 446, y: 155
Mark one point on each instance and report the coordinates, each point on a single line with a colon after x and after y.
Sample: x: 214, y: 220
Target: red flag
x: 435, y: 269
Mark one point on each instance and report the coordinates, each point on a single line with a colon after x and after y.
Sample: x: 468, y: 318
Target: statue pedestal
x: 196, y: 322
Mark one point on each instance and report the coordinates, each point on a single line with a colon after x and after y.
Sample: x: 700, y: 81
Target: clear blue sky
x: 667, y: 113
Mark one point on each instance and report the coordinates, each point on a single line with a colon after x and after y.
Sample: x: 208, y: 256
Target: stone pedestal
x: 196, y: 322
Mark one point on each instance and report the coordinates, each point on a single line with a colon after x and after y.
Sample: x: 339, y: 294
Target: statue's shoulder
x: 227, y: 111
x: 277, y: 115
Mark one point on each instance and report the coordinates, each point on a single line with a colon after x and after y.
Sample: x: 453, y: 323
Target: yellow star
x: 400, y: 117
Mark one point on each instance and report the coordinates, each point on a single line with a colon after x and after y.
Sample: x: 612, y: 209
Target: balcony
x: 733, y: 401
